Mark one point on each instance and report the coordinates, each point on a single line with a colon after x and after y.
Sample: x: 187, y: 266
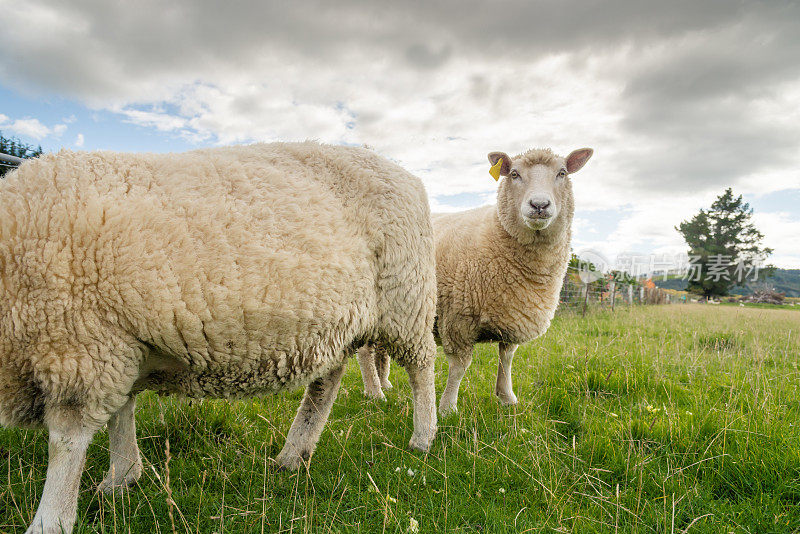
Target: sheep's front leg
x: 126, y: 465
x: 424, y: 392
x: 503, y: 388
x: 458, y: 362
x: 67, y: 446
x: 382, y: 365
x: 367, y: 360
x: 310, y: 419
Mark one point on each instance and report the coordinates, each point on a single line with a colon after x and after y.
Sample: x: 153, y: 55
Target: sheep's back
x: 216, y: 257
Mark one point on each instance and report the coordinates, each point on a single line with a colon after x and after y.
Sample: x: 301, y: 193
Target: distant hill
x: 783, y: 280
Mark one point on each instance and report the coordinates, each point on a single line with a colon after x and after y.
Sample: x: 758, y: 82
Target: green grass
x: 763, y: 305
x: 652, y: 419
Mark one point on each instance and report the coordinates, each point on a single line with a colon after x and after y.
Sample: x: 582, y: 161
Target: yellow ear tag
x: 495, y: 170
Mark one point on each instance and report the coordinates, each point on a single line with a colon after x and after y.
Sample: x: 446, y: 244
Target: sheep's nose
x: 539, y: 204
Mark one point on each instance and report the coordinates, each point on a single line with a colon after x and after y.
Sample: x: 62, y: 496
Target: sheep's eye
x: 562, y: 173
x: 514, y: 174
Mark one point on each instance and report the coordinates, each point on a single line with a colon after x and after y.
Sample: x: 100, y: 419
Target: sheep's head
x: 535, y: 196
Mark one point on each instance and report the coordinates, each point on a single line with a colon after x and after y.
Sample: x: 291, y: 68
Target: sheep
x: 226, y: 272
x: 499, y: 269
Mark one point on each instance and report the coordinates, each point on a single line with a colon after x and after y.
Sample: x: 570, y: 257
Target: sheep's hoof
x: 291, y: 461
x: 422, y: 444
x: 111, y: 485
x: 375, y: 395
x: 385, y: 384
x: 447, y: 409
x: 38, y: 528
x: 507, y: 399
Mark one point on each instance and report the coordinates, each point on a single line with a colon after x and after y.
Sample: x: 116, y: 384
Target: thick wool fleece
x: 222, y: 272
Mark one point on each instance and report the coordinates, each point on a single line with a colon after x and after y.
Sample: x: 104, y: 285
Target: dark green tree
x: 724, y: 246
x: 15, y: 147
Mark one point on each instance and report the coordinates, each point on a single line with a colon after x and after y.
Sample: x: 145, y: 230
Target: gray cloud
x: 98, y: 40
x: 698, y: 103
x: 687, y: 93
x: 424, y: 56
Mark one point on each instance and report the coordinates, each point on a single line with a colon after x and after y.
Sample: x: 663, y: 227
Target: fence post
x: 613, y: 294
x: 585, y: 298
x: 641, y: 295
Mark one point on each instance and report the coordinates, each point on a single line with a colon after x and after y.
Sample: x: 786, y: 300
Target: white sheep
x: 225, y: 272
x: 499, y: 269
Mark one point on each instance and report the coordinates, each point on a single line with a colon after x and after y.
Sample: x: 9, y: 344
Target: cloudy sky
x: 679, y: 99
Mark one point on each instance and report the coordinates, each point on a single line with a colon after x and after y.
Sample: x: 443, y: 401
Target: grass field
x: 763, y: 306
x: 652, y: 419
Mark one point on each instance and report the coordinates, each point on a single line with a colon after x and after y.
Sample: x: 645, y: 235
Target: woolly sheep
x: 499, y: 269
x: 226, y: 272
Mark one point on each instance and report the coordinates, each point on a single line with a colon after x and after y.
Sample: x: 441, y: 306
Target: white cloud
x: 79, y: 140
x: 29, y: 128
x: 582, y: 225
x: 32, y: 128
x: 153, y: 119
x: 781, y: 232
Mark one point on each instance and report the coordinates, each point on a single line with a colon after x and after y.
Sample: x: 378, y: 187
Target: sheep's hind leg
x: 68, y: 441
x: 458, y: 362
x: 126, y: 464
x: 503, y: 388
x: 382, y: 366
x: 310, y: 419
x: 424, y: 391
x: 367, y: 361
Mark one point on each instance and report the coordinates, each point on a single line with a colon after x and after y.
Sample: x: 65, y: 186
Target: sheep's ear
x: 578, y: 158
x: 505, y: 166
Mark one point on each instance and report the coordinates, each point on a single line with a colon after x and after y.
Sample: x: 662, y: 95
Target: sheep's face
x: 536, y: 192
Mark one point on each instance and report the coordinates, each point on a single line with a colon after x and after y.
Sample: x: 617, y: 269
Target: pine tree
x: 724, y: 245
x: 15, y: 147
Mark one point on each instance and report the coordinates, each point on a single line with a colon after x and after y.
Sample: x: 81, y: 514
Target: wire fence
x: 607, y: 292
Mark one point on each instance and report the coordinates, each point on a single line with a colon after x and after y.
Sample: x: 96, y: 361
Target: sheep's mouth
x: 537, y: 222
